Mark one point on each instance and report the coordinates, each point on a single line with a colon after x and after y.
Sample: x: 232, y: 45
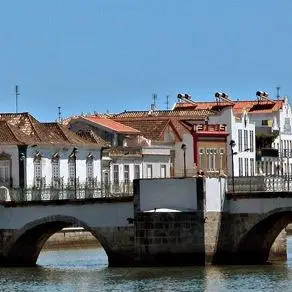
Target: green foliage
x: 265, y: 140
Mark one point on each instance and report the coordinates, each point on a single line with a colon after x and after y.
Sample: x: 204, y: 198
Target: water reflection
x: 86, y: 270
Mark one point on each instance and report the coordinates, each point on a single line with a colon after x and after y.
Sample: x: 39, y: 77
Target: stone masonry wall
x: 169, y: 238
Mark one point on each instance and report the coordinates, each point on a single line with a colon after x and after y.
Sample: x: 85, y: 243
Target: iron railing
x: 85, y: 190
x: 267, y: 183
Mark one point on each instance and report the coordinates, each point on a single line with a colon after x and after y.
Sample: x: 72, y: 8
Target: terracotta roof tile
x: 194, y: 113
x: 149, y: 128
x: 112, y: 125
x: 251, y: 106
x: 24, y: 129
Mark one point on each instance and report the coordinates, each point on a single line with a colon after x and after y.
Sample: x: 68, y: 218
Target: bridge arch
x: 255, y: 245
x: 25, y: 245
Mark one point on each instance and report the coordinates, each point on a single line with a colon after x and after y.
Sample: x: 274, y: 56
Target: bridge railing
x: 82, y: 191
x: 268, y: 183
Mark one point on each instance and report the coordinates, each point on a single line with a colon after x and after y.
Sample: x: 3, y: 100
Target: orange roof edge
x: 112, y: 125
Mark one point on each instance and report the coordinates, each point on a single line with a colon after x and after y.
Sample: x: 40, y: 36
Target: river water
x: 86, y: 270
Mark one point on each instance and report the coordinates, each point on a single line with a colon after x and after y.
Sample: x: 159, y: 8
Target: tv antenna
x: 154, y: 99
x: 59, y: 114
x: 16, y: 98
x: 278, y: 92
x: 167, y: 102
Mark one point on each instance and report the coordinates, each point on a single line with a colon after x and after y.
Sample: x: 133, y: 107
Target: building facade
x: 36, y: 155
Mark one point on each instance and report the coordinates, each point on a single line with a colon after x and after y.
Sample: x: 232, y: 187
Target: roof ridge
x: 31, y: 118
x: 62, y: 131
x: 11, y: 131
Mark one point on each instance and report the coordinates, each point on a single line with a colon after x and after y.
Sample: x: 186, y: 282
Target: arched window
x: 56, y: 170
x: 89, y: 167
x: 37, y: 170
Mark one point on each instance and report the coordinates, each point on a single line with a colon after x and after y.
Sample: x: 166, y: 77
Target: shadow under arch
x: 25, y: 246
x: 255, y: 245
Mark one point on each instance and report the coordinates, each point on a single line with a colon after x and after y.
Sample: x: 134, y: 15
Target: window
x: 71, y: 170
x: 246, y: 166
x: 252, y: 166
x: 245, y: 140
x: 239, y: 140
x: 163, y: 171
x: 240, y: 166
x: 251, y: 141
x: 201, y: 158
x: 136, y: 171
x: 149, y: 171
x: 38, y: 170
x: 89, y: 167
x: 5, y: 171
x: 126, y: 173
x: 211, y: 155
x: 55, y: 170
x: 116, y: 174
x: 221, y: 158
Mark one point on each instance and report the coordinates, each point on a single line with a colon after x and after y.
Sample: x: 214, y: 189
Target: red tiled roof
x: 149, y: 128
x: 112, y: 125
x: 194, y: 113
x: 251, y: 106
x: 24, y: 129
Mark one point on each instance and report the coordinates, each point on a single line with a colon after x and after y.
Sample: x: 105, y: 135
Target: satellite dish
x: 218, y: 94
x: 179, y: 96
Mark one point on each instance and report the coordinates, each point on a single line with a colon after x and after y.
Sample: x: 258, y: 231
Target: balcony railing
x: 268, y: 183
x: 87, y: 190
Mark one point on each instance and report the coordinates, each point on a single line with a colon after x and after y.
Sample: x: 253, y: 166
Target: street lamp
x: 184, y: 148
x: 232, y: 144
x: 75, y: 150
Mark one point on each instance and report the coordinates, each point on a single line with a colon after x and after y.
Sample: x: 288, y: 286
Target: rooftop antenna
x: 167, y: 102
x: 278, y: 92
x: 59, y: 114
x: 154, y: 99
x: 16, y: 98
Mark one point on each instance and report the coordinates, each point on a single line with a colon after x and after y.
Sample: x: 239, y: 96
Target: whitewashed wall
x: 176, y: 194
x: 215, y: 194
x: 64, y: 153
x: 233, y: 125
x: 93, y: 215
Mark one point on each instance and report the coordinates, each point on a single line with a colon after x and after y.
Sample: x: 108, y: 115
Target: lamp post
x: 75, y: 150
x: 184, y: 148
x: 232, y: 144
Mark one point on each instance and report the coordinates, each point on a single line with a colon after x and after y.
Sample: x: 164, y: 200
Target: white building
x: 242, y: 132
x: 129, y: 155
x: 45, y: 155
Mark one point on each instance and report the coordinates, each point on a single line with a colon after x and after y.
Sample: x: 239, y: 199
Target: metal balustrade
x: 267, y: 183
x: 87, y: 190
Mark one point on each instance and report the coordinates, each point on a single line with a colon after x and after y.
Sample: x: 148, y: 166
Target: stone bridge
x: 182, y: 221
x: 25, y: 227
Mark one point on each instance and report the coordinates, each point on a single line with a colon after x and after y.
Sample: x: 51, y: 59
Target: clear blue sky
x: 113, y: 55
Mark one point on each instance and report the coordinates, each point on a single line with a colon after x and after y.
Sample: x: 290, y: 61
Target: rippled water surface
x: 86, y: 270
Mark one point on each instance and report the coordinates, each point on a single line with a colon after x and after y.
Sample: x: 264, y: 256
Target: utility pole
x: 16, y: 98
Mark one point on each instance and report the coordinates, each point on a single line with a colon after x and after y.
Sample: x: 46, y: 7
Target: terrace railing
x: 267, y: 183
x: 68, y: 192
